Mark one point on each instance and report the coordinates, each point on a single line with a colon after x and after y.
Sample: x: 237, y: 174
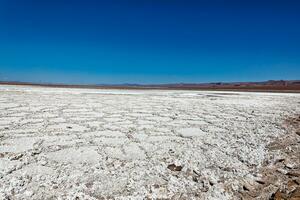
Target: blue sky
x: 159, y: 41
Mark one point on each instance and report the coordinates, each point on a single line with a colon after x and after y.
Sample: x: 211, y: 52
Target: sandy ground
x: 115, y: 144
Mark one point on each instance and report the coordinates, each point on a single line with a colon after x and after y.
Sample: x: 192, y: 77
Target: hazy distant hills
x: 238, y: 84
x: 271, y: 85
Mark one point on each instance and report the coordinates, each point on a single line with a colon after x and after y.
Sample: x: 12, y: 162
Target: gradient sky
x: 159, y: 41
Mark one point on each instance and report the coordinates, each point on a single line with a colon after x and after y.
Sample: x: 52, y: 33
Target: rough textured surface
x: 94, y: 144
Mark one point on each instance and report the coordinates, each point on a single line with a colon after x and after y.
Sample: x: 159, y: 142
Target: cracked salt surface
x: 92, y: 144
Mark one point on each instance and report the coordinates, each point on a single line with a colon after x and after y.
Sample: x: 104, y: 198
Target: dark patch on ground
x: 281, y: 179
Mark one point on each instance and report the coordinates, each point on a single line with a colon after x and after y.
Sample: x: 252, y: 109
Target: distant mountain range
x: 271, y: 85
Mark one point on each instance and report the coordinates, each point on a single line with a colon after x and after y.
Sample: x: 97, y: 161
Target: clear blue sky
x: 159, y: 41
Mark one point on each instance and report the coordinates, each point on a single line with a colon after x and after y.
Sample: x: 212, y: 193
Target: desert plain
x: 63, y: 143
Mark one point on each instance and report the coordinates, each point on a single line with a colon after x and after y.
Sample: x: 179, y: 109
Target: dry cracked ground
x: 148, y: 144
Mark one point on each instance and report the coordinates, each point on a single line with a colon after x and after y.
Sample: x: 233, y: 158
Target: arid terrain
x: 67, y: 143
x: 286, y: 86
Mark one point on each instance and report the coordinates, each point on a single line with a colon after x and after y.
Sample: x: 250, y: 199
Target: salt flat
x: 95, y: 144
